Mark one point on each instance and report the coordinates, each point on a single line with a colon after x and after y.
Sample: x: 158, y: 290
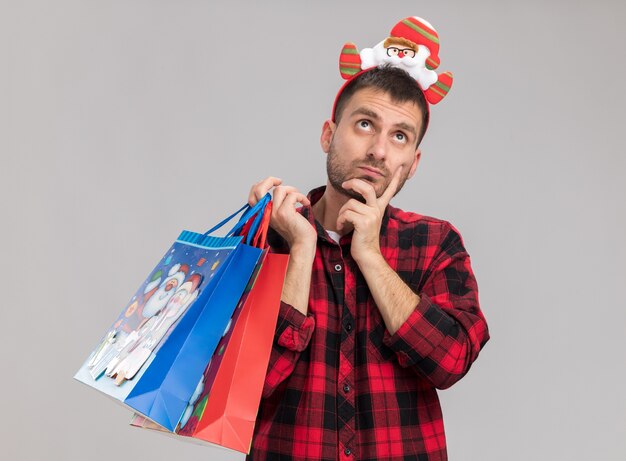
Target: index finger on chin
x: 393, y: 186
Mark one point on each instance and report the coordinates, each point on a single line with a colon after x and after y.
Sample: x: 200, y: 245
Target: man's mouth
x: 372, y: 172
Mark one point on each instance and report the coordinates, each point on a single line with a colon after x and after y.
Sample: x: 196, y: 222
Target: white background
x: 123, y: 122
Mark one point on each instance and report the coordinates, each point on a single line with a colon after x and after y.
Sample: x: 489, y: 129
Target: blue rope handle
x: 248, y: 213
x: 257, y: 220
x: 257, y: 209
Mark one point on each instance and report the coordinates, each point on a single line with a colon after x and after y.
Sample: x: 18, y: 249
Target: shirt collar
x: 314, y: 196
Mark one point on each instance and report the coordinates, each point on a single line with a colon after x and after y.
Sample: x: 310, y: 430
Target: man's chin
x: 348, y: 193
x: 354, y: 195
x: 357, y: 196
x: 378, y: 184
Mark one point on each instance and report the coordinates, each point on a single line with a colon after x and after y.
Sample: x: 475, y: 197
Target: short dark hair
x: 395, y: 82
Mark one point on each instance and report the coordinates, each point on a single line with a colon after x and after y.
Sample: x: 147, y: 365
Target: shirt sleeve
x: 293, y: 335
x: 444, y: 334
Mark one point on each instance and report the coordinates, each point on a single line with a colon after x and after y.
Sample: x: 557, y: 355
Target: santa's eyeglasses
x: 393, y: 51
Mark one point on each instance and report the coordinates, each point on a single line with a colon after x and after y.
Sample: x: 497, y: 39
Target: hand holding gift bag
x: 153, y: 356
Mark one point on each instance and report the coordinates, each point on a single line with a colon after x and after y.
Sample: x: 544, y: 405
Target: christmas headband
x: 412, y: 45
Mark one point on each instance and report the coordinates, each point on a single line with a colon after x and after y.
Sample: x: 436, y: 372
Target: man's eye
x: 364, y: 124
x: 400, y: 137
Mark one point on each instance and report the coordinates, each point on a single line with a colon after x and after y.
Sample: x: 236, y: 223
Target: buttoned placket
x: 340, y: 264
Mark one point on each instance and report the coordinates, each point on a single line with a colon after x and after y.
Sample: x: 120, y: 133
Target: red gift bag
x: 226, y: 415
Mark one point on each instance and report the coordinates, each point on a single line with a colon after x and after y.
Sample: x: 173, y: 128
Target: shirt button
x: 347, y: 451
x: 346, y: 388
x: 338, y: 267
x: 349, y: 327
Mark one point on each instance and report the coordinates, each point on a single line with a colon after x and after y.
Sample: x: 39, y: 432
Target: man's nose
x: 378, y: 148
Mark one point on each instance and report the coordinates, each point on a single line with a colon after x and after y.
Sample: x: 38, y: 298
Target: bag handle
x: 261, y: 235
x: 256, y: 230
x: 247, y: 226
x: 248, y: 213
x: 256, y: 209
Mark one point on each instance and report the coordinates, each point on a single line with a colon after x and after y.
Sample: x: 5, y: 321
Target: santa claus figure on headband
x: 412, y: 45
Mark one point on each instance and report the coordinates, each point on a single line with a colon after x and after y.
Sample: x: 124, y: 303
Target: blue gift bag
x: 154, y: 354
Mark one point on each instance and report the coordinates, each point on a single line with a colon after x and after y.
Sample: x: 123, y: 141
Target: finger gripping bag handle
x: 249, y: 212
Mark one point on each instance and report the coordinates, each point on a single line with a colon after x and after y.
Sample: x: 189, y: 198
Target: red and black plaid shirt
x: 339, y: 386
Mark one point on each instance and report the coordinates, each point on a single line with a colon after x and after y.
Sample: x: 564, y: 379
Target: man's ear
x: 416, y: 160
x: 328, y: 131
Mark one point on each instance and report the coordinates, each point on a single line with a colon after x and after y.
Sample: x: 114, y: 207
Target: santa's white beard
x: 157, y: 302
x: 415, y: 67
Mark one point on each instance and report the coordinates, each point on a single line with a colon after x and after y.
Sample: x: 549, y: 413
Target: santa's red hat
x: 420, y: 32
x: 176, y: 268
x: 195, y: 280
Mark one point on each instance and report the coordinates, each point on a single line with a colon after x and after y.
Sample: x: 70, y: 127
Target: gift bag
x: 156, y: 351
x: 224, y: 407
x: 226, y: 415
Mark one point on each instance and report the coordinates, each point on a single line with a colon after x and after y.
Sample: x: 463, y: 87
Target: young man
x: 380, y: 306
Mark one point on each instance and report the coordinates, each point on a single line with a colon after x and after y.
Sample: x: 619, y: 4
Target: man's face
x: 372, y: 139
